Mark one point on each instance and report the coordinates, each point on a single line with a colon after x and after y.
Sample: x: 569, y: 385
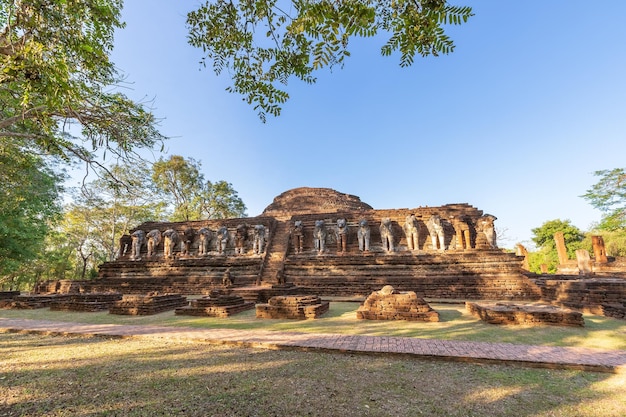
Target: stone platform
x: 216, y: 305
x: 462, y: 264
x: 527, y: 314
x: 8, y: 295
x: 146, y: 305
x: 32, y: 301
x: 292, y: 307
x: 85, y: 302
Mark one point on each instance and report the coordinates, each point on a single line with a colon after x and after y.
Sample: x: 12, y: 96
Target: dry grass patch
x: 75, y: 376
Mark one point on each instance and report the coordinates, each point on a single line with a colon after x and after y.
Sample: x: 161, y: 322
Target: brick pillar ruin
x: 561, y: 250
x: 599, y: 250
x: 584, y: 262
x: 520, y: 250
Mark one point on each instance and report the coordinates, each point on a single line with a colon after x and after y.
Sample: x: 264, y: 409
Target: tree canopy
x: 182, y: 184
x: 264, y: 43
x: 544, y: 235
x: 609, y: 195
x: 29, y: 203
x: 57, y: 84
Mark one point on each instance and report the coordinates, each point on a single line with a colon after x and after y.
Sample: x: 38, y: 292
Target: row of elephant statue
x: 434, y: 224
x: 206, y: 237
x: 221, y: 238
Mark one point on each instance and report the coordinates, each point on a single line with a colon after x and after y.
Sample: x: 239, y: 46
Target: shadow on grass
x: 71, y: 376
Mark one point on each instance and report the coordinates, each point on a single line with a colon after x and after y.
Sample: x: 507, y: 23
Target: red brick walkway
x: 525, y: 355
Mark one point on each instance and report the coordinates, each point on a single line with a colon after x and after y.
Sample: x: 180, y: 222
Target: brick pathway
x: 613, y: 361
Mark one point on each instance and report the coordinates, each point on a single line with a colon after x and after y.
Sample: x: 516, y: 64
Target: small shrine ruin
x: 390, y: 304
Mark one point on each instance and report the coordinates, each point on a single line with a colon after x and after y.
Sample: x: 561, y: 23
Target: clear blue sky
x: 514, y: 122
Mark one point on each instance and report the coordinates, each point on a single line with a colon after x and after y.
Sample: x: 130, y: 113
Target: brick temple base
x: 292, y: 307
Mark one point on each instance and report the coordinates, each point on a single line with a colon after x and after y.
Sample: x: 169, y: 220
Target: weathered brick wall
x: 606, y: 296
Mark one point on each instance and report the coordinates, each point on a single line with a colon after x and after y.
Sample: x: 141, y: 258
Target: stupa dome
x: 306, y: 200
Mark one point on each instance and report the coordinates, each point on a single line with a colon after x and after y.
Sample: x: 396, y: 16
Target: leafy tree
x: 609, y: 195
x: 107, y: 208
x: 55, y: 261
x: 544, y: 235
x: 91, y: 226
x: 548, y: 258
x: 544, y: 239
x: 29, y: 204
x: 263, y: 43
x: 56, y: 82
x: 181, y: 182
x: 220, y: 201
x: 57, y: 103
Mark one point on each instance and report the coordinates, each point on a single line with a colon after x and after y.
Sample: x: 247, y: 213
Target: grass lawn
x: 82, y: 376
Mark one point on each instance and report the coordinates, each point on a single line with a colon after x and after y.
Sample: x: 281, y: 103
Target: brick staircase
x: 276, y: 252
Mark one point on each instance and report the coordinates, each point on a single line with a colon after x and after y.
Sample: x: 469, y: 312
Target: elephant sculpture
x: 154, y: 238
x: 319, y: 236
x: 259, y: 239
x: 341, y: 233
x: 241, y: 236
x: 138, y: 238
x: 462, y: 230
x: 386, y: 235
x: 412, y: 232
x: 170, y: 239
x: 436, y: 232
x: 206, y: 235
x: 186, y: 241
x: 486, y: 226
x: 363, y: 234
x: 297, y: 236
x: 222, y: 239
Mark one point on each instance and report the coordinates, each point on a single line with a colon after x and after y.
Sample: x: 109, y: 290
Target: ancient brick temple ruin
x: 323, y: 243
x: 317, y: 241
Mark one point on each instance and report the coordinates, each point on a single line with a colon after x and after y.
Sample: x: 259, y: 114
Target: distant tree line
x: 609, y: 196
